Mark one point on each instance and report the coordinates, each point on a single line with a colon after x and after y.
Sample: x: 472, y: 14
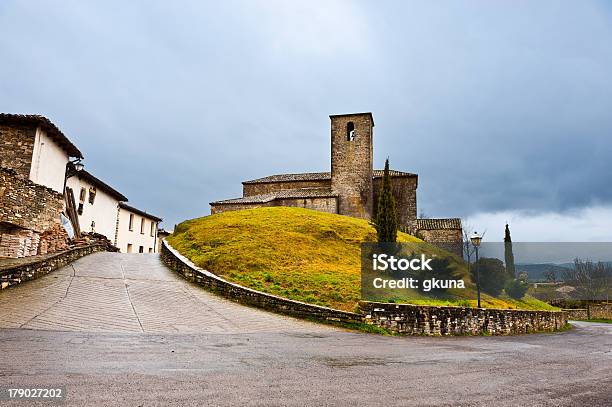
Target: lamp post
x: 476, y: 239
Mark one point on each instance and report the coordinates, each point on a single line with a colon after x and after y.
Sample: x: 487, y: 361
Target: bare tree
x: 592, y: 281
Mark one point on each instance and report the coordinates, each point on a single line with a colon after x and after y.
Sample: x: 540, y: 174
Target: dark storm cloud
x: 496, y: 106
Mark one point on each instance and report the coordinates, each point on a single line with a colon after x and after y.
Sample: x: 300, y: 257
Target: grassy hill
x: 299, y: 254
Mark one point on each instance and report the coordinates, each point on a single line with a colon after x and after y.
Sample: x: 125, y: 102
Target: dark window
x: 141, y: 249
x: 92, y: 195
x: 82, y: 195
x: 80, y: 210
x: 350, y: 131
x: 131, y: 221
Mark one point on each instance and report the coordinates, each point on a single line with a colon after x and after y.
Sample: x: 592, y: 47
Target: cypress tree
x: 508, y: 254
x: 386, y: 217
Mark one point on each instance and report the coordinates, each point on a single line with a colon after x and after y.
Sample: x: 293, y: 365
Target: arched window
x: 350, y: 131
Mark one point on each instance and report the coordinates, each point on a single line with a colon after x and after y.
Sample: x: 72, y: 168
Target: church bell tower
x: 351, y: 163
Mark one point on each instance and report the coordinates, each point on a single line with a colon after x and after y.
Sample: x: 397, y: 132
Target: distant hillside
x: 537, y: 272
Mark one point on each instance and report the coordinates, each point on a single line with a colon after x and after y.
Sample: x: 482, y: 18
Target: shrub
x: 493, y: 275
x: 516, y: 288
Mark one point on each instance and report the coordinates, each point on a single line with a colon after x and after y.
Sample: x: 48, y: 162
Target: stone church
x: 351, y: 188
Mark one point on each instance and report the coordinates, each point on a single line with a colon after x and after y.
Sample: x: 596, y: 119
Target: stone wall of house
x: 268, y: 187
x: 29, y: 217
x: 430, y: 320
x: 351, y: 165
x: 405, y: 195
x: 26, y: 204
x: 14, y: 274
x: 247, y: 296
x: 329, y: 205
x: 16, y: 148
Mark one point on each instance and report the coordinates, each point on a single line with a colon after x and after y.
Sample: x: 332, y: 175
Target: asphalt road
x: 285, y: 362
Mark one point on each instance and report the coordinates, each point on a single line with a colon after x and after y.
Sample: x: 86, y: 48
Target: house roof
x: 41, y: 121
x: 318, y: 176
x: 434, y: 224
x: 96, y: 182
x: 127, y: 207
x: 284, y: 194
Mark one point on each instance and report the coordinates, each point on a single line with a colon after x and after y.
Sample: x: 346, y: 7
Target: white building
x: 102, y: 209
x: 32, y: 148
x: 137, y: 230
x: 97, y: 204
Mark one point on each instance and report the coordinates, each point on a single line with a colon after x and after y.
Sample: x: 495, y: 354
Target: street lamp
x: 78, y: 166
x: 72, y: 168
x: 476, y: 239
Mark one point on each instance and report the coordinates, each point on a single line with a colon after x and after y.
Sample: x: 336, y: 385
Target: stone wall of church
x: 16, y: 148
x: 268, y: 187
x: 219, y: 208
x: 329, y: 205
x: 404, y: 192
x: 450, y: 240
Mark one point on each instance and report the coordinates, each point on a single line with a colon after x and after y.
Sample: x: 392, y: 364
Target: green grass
x: 303, y: 255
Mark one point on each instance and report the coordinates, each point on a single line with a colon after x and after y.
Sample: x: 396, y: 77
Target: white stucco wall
x: 48, y: 162
x: 103, y: 211
x: 134, y: 237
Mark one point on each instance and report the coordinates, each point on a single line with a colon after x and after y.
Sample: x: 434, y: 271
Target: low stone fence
x: 577, y: 313
x: 593, y: 311
x: 399, y: 318
x: 183, y: 266
x: 430, y: 320
x: 40, y: 266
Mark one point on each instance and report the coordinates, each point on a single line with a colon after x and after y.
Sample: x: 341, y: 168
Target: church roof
x: 284, y: 194
x: 434, y: 224
x: 317, y: 176
x: 47, y: 125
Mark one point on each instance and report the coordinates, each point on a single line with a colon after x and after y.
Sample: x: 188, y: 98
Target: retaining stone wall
x: 247, y: 296
x: 430, y: 320
x: 601, y: 311
x: 577, y: 313
x: 399, y: 318
x: 38, y: 268
x: 594, y: 311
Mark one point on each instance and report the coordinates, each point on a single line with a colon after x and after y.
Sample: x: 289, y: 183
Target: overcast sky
x: 504, y: 109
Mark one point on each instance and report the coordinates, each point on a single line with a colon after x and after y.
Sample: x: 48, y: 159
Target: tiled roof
x: 98, y: 183
x: 139, y: 212
x: 52, y: 130
x: 433, y: 224
x: 285, y: 194
x: 393, y: 173
x: 317, y: 176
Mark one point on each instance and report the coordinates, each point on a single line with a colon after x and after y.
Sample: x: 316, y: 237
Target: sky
x: 504, y: 109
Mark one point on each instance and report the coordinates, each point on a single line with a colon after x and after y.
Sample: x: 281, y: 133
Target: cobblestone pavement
x: 117, y: 329
x: 111, y: 292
